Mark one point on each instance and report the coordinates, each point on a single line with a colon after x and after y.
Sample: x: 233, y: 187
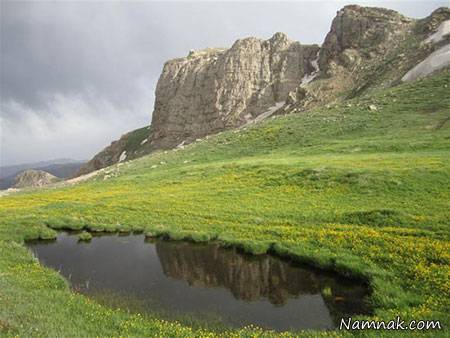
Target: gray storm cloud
x: 75, y: 76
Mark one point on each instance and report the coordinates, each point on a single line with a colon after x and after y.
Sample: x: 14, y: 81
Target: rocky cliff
x: 216, y: 89
x: 34, y: 178
x: 361, y: 32
x: 372, y: 47
x: 211, y: 90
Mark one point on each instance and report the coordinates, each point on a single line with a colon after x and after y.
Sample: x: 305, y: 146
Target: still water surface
x: 202, y: 281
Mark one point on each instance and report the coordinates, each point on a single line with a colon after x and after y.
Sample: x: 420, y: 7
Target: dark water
x: 202, y: 281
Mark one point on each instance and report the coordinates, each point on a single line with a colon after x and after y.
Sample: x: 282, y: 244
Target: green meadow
x: 363, y: 193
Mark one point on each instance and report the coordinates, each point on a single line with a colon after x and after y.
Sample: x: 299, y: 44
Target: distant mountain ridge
x: 215, y: 89
x: 61, y: 168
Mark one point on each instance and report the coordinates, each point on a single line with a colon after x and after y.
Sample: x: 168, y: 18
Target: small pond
x: 202, y: 281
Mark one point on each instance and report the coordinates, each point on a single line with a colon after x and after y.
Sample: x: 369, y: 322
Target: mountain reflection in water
x: 198, y: 280
x: 248, y: 278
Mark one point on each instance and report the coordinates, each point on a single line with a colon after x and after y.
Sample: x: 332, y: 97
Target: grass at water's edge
x: 358, y: 192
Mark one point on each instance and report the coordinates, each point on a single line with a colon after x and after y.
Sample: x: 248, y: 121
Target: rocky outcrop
x: 214, y: 89
x: 438, y: 38
x: 361, y: 33
x: 34, y: 178
x: 434, y: 62
x: 369, y: 48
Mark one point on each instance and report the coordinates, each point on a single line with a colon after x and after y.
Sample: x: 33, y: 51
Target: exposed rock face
x: 215, y: 89
x: 34, y: 178
x: 432, y: 23
x: 440, y: 58
x: 434, y: 62
x: 361, y: 32
x: 370, y: 48
x: 363, y: 49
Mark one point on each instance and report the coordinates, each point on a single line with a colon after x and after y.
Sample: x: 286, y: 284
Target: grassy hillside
x: 362, y: 192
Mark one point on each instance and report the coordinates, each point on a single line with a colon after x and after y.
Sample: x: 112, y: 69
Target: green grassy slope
x: 364, y: 193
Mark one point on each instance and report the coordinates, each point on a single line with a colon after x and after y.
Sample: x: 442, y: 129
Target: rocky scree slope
x: 217, y: 89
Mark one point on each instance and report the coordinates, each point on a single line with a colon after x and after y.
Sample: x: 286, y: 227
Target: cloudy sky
x: 77, y: 75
